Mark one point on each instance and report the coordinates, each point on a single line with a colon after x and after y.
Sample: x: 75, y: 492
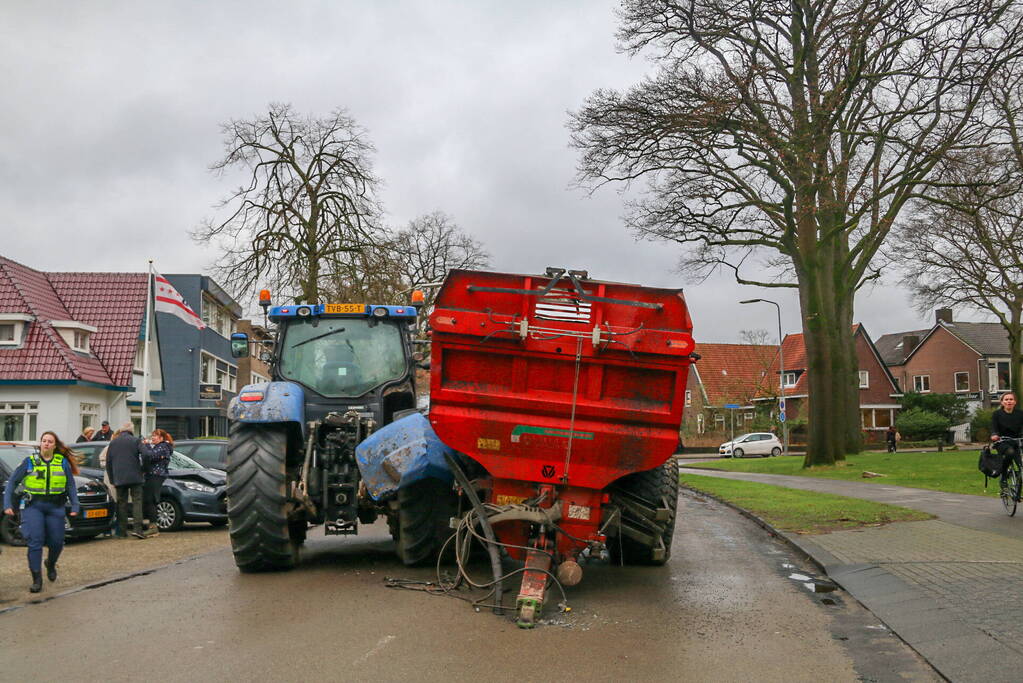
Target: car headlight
x: 196, y: 486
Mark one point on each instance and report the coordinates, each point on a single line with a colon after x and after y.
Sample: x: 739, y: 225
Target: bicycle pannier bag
x: 990, y: 463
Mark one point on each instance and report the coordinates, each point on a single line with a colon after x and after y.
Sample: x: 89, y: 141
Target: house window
x: 749, y: 417
x: 864, y: 379
x: 18, y: 421
x: 7, y: 334
x: 921, y: 383
x: 217, y: 317
x: 701, y: 427
x: 80, y: 341
x: 689, y: 397
x: 256, y: 378
x: 719, y: 421
x: 876, y: 418
x: 90, y: 415
x: 216, y: 371
x: 962, y: 381
x: 788, y: 379
x: 212, y: 425
x: 1000, y: 377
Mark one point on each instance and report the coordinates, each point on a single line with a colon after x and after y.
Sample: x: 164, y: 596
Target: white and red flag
x: 166, y: 299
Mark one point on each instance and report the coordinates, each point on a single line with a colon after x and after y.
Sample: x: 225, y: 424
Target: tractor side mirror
x: 239, y: 345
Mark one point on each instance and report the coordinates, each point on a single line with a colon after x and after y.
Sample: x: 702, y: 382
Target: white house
x: 71, y: 351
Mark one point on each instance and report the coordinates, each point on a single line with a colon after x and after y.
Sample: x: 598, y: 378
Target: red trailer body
x: 558, y: 385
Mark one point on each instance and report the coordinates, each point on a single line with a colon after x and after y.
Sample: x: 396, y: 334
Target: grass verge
x: 953, y: 472
x: 801, y: 512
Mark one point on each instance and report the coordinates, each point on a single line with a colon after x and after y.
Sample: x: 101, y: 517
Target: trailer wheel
x: 261, y: 537
x: 643, y: 497
x: 424, y: 510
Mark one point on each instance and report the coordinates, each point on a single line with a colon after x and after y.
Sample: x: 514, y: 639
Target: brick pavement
x: 951, y: 587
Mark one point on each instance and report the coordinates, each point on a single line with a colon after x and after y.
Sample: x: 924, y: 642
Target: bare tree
x: 431, y: 245
x: 964, y: 248
x: 419, y: 254
x: 308, y: 197
x: 782, y: 140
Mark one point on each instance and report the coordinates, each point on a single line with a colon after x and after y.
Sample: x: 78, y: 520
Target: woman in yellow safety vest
x: 49, y: 482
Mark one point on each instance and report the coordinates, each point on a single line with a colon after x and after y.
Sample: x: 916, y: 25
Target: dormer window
x: 75, y: 334
x: 12, y: 328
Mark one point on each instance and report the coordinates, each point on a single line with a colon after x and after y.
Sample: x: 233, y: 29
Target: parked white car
x: 758, y: 443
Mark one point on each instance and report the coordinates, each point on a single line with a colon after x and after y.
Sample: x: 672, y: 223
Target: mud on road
x: 725, y: 608
x: 101, y: 559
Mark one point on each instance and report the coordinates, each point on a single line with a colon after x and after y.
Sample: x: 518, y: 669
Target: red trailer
x: 569, y: 393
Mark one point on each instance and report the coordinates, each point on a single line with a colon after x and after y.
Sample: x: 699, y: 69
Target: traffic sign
x: 732, y: 406
x: 781, y: 417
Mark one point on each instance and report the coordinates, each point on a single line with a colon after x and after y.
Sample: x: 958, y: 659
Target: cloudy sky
x: 111, y: 113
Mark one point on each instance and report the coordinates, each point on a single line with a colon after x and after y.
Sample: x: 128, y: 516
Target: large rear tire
x: 642, y: 498
x: 257, y: 499
x: 425, y: 509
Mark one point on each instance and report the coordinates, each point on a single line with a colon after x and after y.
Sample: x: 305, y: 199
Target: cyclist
x: 1007, y: 421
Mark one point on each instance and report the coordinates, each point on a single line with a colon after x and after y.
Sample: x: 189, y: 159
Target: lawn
x: 951, y: 471
x: 803, y: 512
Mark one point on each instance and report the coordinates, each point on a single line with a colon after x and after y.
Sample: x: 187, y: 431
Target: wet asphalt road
x: 723, y: 609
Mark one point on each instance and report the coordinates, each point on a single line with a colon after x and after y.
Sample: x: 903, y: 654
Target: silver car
x: 757, y: 443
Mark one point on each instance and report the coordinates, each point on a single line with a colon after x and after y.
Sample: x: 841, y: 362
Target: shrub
x: 980, y: 424
x: 918, y: 424
x: 950, y: 406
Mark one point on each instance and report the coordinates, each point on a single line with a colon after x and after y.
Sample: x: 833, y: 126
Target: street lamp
x: 781, y: 372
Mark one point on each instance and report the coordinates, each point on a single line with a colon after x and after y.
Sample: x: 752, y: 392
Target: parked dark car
x: 206, y: 452
x: 94, y: 517
x: 190, y: 493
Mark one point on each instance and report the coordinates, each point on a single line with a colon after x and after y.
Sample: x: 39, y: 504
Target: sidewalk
x: 951, y: 587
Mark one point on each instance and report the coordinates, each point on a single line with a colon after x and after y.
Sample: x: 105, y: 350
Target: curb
x: 106, y: 582
x: 859, y: 583
x: 789, y: 538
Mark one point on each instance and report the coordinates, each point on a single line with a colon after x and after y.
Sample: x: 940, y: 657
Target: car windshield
x: 13, y: 457
x: 180, y: 461
x: 342, y: 357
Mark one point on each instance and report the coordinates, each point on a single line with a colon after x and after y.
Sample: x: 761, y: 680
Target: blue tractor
x: 342, y: 375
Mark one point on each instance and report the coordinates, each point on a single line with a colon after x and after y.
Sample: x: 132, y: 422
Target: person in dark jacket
x: 1007, y: 421
x: 49, y: 482
x: 104, y: 433
x: 157, y: 453
x: 124, y: 466
x: 86, y: 435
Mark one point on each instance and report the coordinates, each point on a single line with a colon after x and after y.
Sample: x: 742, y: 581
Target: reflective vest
x: 45, y: 478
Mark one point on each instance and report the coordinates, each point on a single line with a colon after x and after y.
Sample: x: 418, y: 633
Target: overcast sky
x: 111, y: 113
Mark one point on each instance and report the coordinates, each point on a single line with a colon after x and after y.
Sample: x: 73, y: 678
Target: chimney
x: 943, y: 315
x: 909, y: 343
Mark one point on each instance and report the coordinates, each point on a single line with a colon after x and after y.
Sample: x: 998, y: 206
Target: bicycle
x: 1012, y: 477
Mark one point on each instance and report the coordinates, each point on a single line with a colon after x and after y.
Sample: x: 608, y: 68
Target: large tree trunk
x: 1015, y: 332
x: 831, y: 364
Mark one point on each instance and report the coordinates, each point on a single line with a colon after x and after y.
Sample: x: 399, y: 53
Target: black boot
x: 51, y: 570
x: 37, y: 582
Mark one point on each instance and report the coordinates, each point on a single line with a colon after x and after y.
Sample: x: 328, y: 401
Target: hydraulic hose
x: 488, y: 531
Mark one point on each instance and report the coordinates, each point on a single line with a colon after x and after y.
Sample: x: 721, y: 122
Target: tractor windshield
x: 342, y: 357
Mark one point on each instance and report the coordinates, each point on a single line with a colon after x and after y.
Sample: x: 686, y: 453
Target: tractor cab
x: 343, y: 356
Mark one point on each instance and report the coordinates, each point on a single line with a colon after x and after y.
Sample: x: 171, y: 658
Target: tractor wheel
x: 648, y: 502
x: 261, y: 537
x: 424, y: 511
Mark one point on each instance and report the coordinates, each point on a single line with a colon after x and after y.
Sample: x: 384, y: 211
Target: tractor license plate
x: 336, y: 309
x: 98, y: 512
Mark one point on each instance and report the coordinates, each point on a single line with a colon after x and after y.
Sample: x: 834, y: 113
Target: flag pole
x: 145, y: 351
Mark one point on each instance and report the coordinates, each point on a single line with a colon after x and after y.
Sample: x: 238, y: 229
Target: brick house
x: 969, y: 359
x: 251, y: 369
x: 878, y: 390
x: 727, y: 374
x: 71, y: 350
